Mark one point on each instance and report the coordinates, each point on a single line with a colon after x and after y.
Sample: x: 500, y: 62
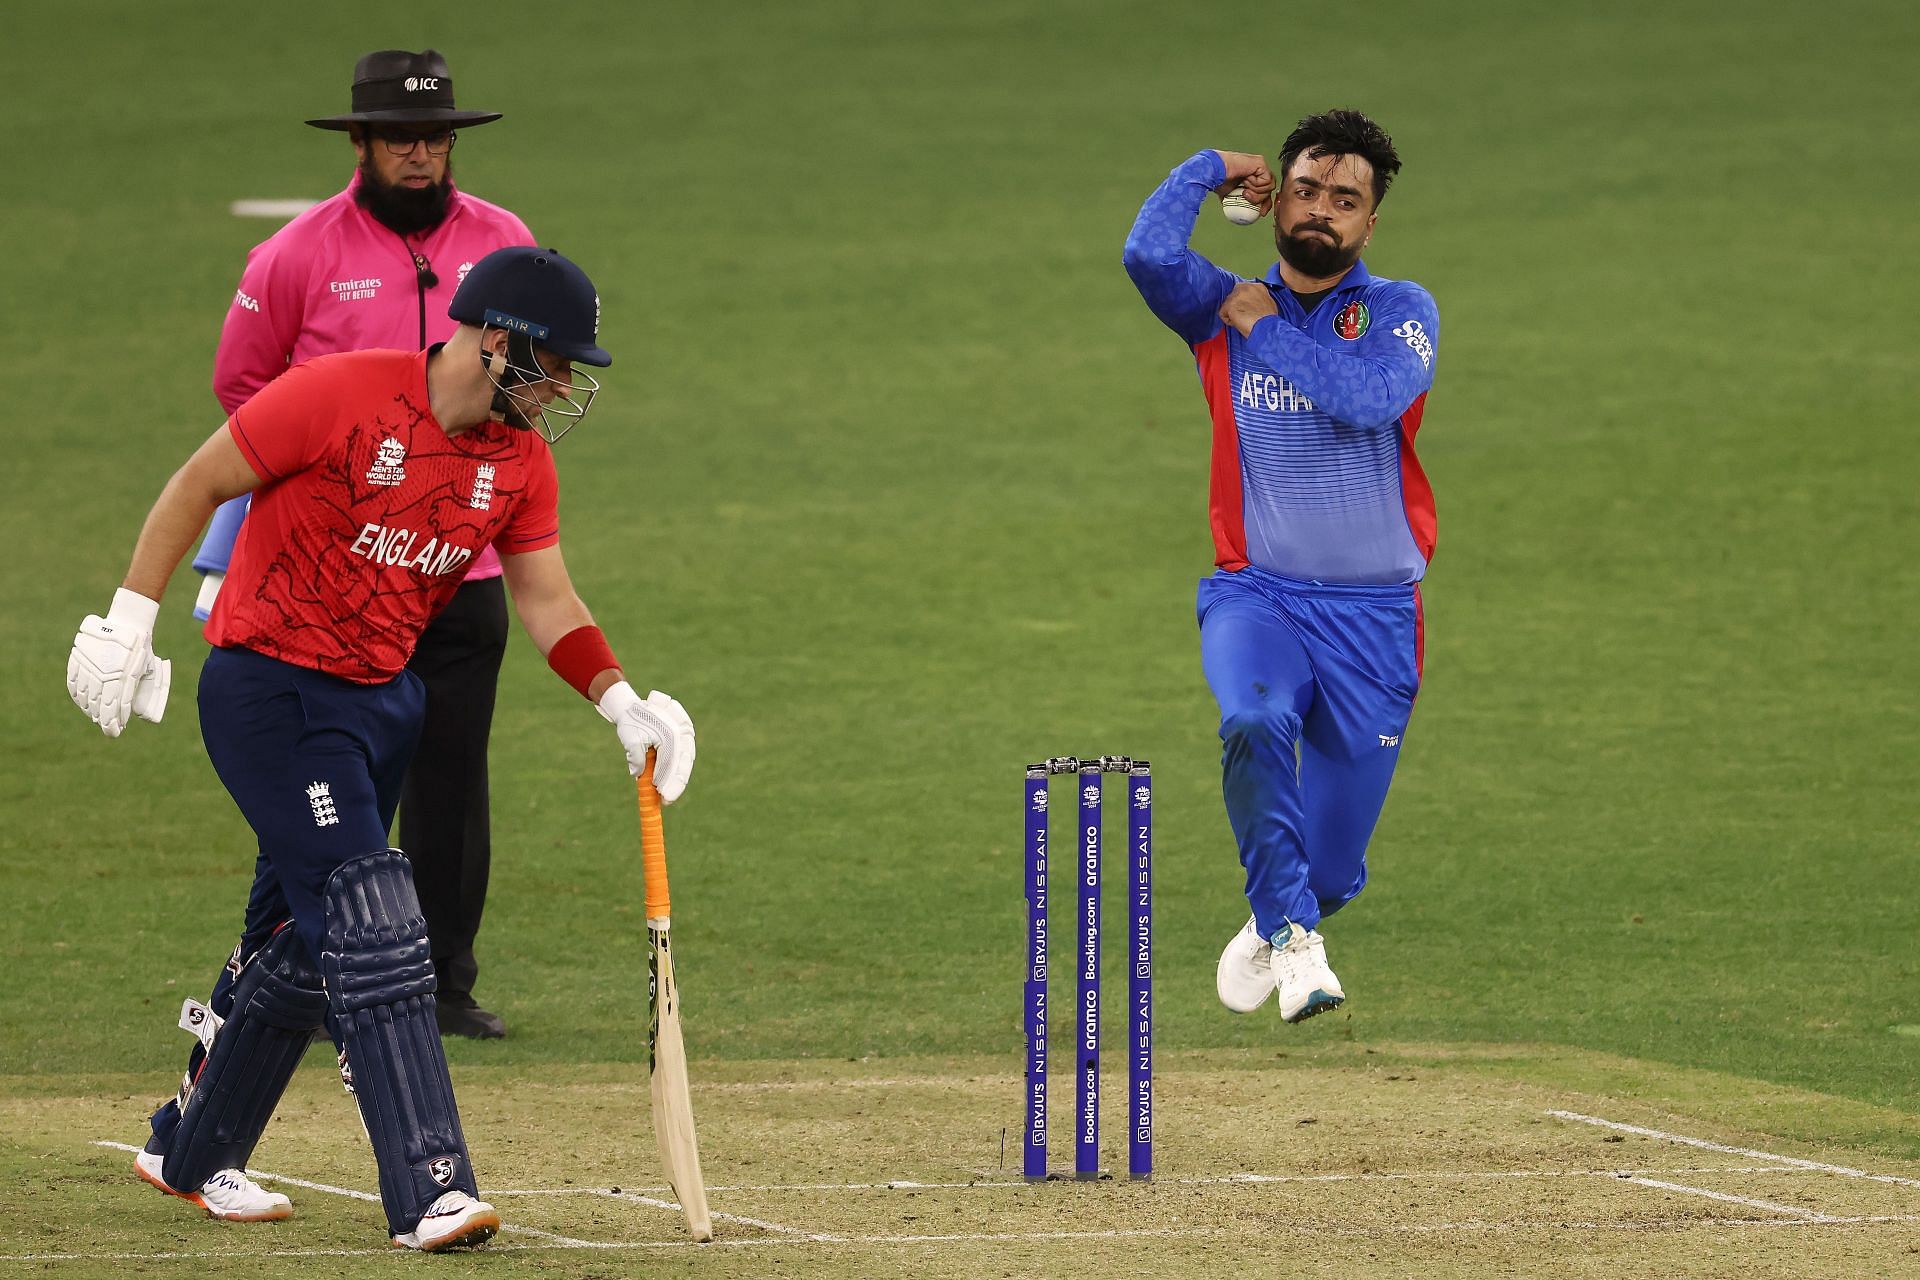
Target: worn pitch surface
x: 1381, y: 1161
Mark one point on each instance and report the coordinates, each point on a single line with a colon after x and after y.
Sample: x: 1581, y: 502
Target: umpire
x: 376, y: 266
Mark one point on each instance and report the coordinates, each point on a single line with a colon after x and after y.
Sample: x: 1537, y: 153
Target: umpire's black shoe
x: 460, y: 1016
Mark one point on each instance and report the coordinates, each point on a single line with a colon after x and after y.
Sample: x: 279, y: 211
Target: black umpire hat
x: 538, y: 293
x: 394, y: 86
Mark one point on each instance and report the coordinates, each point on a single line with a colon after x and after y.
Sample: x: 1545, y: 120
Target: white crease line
x: 564, y: 1241
x: 1231, y: 1179
x: 945, y: 1083
x: 763, y: 1242
x: 723, y: 1217
x: 639, y: 1197
x: 1653, y: 1224
x: 369, y: 1197
x: 181, y: 1257
x: 1704, y: 1145
x: 289, y: 1179
x: 791, y: 1235
x: 1463, y: 1175
x: 1803, y: 1214
x: 669, y: 1205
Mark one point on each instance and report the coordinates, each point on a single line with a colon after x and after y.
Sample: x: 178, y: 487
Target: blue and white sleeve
x: 1180, y: 286
x: 1371, y: 386
x: 216, y: 548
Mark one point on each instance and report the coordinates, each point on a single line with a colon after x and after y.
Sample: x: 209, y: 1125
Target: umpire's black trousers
x: 444, y: 827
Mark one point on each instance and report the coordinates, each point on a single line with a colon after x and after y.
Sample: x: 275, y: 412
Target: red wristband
x: 580, y: 655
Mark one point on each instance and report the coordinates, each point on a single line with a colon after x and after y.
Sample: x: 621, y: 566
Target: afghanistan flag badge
x: 1352, y: 320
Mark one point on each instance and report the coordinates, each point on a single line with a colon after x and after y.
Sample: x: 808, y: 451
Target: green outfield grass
x: 896, y: 485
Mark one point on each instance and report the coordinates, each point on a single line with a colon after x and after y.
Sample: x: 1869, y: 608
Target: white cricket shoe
x: 1244, y: 977
x: 1307, y: 985
x: 229, y: 1195
x: 454, y: 1221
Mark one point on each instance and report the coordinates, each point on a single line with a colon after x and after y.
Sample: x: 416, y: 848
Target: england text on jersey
x: 389, y: 546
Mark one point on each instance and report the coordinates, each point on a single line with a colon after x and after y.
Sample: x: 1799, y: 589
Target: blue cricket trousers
x: 1315, y: 685
x: 315, y: 764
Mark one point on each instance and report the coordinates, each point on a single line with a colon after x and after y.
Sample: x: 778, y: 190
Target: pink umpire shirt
x: 334, y: 279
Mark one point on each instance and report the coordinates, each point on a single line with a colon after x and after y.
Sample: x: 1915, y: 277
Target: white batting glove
x: 150, y: 694
x: 656, y: 721
x: 112, y: 657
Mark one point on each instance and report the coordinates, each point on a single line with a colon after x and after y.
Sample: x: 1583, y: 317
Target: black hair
x: 1343, y: 133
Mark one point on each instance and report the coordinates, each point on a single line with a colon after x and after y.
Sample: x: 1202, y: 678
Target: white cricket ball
x: 1240, y: 211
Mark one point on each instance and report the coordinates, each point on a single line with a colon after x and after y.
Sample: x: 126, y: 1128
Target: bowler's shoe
x: 1307, y: 985
x: 1244, y: 976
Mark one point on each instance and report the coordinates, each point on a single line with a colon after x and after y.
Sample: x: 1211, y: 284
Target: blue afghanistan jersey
x: 1314, y: 475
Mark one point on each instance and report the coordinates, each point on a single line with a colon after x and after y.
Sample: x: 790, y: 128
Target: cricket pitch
x: 1333, y: 1162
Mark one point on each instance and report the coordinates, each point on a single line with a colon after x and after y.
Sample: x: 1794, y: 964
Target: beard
x: 406, y: 210
x: 1313, y: 256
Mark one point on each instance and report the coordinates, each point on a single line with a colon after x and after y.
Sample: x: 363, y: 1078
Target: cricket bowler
x: 1311, y: 638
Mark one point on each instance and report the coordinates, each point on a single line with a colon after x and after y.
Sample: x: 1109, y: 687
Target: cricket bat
x: 666, y: 1053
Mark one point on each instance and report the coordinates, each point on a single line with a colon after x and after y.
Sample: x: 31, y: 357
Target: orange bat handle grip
x: 653, y: 845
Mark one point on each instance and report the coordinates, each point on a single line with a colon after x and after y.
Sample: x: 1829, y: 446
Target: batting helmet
x: 536, y: 293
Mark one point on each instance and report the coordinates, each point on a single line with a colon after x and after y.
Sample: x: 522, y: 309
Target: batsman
x: 377, y: 476
x: 1316, y: 376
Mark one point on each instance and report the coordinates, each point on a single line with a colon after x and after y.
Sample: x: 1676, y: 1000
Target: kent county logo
x: 387, y: 468
x: 482, y: 499
x: 1352, y: 320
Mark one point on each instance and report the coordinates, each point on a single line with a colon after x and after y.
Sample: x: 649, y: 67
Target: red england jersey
x: 369, y: 516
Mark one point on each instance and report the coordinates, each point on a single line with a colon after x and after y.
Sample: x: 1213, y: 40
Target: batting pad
x: 277, y: 1006
x: 380, y: 987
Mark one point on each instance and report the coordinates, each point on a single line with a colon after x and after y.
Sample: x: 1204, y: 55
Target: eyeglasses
x: 402, y: 144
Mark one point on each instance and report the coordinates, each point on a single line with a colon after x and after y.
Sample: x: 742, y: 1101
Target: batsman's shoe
x: 229, y: 1195
x: 455, y: 1221
x: 1244, y: 977
x: 1307, y: 985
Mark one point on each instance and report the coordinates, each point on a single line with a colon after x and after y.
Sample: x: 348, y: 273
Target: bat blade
x: 666, y: 1052
x: 672, y: 1096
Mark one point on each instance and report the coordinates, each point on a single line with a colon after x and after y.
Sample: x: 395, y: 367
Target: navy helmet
x: 537, y: 294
